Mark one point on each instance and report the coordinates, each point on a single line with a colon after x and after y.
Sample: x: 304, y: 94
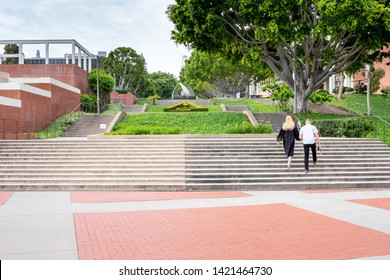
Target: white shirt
x: 308, y: 134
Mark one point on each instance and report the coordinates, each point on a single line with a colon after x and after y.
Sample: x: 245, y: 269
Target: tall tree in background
x: 313, y: 38
x: 165, y: 83
x: 11, y: 49
x: 127, y: 68
x: 214, y: 75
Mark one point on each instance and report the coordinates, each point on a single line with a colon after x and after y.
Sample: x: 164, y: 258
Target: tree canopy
x: 164, y: 83
x: 106, y: 84
x: 213, y: 75
x: 127, y: 68
x: 308, y: 39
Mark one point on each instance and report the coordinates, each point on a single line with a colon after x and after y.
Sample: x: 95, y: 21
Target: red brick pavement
x: 383, y: 203
x: 4, y: 196
x: 275, y: 231
x: 96, y: 197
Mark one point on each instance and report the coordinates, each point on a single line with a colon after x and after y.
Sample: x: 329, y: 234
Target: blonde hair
x: 289, y: 123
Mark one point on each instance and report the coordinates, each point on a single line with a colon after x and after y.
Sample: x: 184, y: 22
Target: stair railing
x: 23, y: 129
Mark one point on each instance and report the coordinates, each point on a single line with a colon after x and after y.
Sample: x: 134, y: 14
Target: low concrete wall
x: 126, y: 98
x: 117, y: 119
x: 251, y: 117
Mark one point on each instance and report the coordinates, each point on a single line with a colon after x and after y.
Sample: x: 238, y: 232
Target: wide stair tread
x: 189, y: 163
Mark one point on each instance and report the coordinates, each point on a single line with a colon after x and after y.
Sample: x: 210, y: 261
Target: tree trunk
x: 341, y: 86
x: 302, y: 104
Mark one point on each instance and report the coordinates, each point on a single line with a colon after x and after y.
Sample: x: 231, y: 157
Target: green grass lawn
x: 160, y: 109
x: 380, y: 106
x: 143, y: 101
x: 188, y: 123
x: 357, y: 103
x: 256, y: 105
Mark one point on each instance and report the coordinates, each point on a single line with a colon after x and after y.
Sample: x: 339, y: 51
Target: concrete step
x: 236, y: 108
x: 274, y: 119
x: 89, y: 125
x: 188, y: 162
x: 132, y: 109
x: 319, y: 185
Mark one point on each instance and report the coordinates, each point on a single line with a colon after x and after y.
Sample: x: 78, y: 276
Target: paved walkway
x: 352, y: 224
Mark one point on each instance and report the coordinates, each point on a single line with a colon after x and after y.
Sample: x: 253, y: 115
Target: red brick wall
x: 67, y: 73
x: 126, y: 98
x: 385, y: 81
x: 62, y: 101
x: 38, y: 111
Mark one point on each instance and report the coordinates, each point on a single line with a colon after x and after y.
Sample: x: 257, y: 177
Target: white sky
x: 97, y: 25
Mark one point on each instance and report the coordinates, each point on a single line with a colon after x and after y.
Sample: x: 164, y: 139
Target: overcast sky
x: 97, y: 25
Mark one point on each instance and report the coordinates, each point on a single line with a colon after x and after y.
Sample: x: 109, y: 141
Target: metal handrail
x: 29, y: 132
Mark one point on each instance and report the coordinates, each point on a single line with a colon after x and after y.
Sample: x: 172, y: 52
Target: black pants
x: 314, y: 152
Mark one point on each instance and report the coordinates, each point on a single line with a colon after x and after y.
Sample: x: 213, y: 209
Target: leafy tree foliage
x: 376, y: 75
x: 213, y: 75
x: 88, y: 103
x: 127, y: 68
x: 164, y: 83
x: 313, y: 38
x: 11, y: 49
x: 148, y: 87
x: 281, y: 93
x: 106, y: 85
x: 320, y: 96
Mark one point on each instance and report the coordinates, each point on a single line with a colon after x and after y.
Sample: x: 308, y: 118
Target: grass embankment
x: 349, y: 126
x: 380, y: 106
x: 188, y: 123
x: 256, y: 106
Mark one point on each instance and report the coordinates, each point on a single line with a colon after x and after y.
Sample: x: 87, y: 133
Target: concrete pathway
x: 353, y: 224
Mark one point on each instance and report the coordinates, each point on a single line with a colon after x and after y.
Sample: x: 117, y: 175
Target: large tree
x: 128, y: 69
x: 164, y: 82
x: 214, y: 75
x: 313, y: 39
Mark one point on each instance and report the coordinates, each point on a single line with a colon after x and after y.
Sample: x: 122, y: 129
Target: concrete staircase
x: 188, y: 163
x: 133, y: 109
x: 275, y: 119
x: 89, y: 125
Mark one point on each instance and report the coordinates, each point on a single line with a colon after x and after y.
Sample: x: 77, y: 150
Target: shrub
x: 386, y: 91
x: 88, y: 103
x: 361, y: 88
x: 185, y: 107
x: 280, y: 92
x: 249, y: 129
x: 351, y: 128
x: 320, y: 96
x: 142, y: 130
x: 345, y: 90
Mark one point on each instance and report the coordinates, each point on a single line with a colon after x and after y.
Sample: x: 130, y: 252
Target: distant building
x: 78, y: 54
